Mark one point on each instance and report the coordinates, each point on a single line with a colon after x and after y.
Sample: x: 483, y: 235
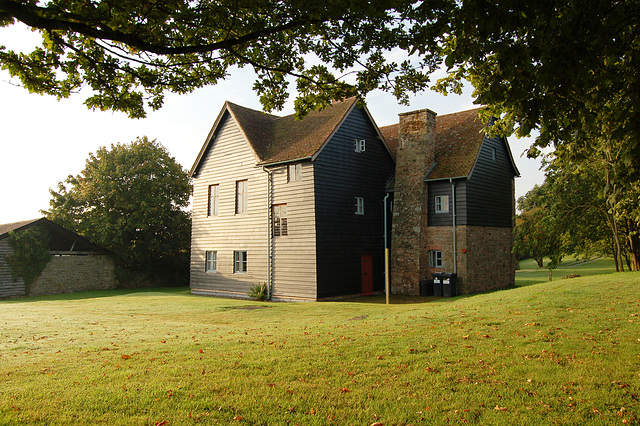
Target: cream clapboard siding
x: 228, y: 160
x: 294, y: 264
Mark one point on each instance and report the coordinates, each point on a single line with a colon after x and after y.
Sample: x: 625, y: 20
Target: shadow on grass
x: 94, y: 294
x: 380, y: 299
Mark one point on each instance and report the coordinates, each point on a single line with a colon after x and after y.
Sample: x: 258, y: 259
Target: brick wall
x: 67, y: 274
x: 488, y: 263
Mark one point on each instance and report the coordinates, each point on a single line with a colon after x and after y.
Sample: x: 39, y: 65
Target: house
x: 76, y: 264
x: 304, y: 206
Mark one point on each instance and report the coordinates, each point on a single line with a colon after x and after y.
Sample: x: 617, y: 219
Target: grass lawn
x: 562, y: 352
x: 529, y: 273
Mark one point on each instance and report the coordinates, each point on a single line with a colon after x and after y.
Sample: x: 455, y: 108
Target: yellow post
x: 386, y: 273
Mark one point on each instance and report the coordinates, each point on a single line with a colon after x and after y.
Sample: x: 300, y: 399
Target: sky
x: 42, y: 140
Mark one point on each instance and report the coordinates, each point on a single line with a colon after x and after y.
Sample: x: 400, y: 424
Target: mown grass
x: 562, y: 352
x: 529, y: 273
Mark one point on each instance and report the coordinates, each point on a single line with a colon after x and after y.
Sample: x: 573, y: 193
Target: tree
x: 538, y: 232
x: 130, y: 199
x: 561, y: 67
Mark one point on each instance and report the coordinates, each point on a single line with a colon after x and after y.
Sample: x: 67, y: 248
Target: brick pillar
x: 415, y: 156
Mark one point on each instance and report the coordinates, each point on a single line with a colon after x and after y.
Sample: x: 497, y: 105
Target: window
x: 240, y: 262
x: 359, y: 145
x: 241, y: 197
x: 280, y: 220
x: 294, y: 172
x: 493, y: 154
x: 359, y: 205
x: 435, y: 258
x: 214, y: 194
x: 442, y: 204
x: 211, y: 263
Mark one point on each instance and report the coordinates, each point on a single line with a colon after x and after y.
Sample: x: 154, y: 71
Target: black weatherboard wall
x: 485, y: 198
x: 341, y: 174
x: 490, y: 187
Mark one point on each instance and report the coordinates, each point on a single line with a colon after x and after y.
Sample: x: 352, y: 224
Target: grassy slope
x: 561, y: 352
x: 528, y: 272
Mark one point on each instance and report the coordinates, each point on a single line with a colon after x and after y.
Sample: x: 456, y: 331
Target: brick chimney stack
x: 415, y: 156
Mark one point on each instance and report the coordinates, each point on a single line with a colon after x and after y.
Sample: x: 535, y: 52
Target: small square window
x: 211, y: 263
x: 442, y: 203
x: 435, y: 258
x: 359, y: 145
x: 240, y: 262
x: 359, y: 203
x: 294, y: 172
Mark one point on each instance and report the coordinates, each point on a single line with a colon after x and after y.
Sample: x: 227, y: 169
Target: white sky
x: 42, y: 141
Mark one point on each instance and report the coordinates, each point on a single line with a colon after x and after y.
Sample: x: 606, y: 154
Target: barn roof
x: 62, y: 239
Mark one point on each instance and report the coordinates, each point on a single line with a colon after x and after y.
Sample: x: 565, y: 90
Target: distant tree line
x: 588, y: 204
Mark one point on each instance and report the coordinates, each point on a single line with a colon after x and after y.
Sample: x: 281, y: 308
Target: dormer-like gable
x: 276, y: 139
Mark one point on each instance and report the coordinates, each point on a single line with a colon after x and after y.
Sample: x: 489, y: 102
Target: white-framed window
x: 214, y: 199
x: 279, y: 215
x: 359, y: 203
x: 241, y: 196
x: 211, y: 263
x: 359, y: 145
x: 435, y: 258
x: 240, y: 262
x: 442, y: 203
x: 294, y: 172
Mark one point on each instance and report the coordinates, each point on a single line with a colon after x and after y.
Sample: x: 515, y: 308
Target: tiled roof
x: 279, y: 139
x: 459, y: 137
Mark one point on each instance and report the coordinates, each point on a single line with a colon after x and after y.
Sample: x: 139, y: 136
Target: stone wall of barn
x: 72, y: 273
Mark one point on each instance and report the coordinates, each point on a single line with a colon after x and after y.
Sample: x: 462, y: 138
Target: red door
x: 367, y: 275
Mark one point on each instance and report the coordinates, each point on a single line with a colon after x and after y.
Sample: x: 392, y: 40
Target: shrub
x: 258, y: 291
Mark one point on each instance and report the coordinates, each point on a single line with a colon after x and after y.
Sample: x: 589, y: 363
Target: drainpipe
x: 455, y: 242
x: 386, y: 252
x: 269, y: 241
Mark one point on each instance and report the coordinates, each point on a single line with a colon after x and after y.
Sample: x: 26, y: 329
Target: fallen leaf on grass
x: 498, y: 408
x: 345, y: 390
x: 238, y: 418
x: 125, y: 356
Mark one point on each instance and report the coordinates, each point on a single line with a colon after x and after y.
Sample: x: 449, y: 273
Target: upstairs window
x: 294, y: 172
x: 359, y: 145
x: 359, y: 203
x: 435, y: 258
x: 214, y: 194
x: 240, y: 262
x: 494, y: 154
x: 280, y: 228
x: 442, y: 203
x: 241, y: 197
x: 211, y: 263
